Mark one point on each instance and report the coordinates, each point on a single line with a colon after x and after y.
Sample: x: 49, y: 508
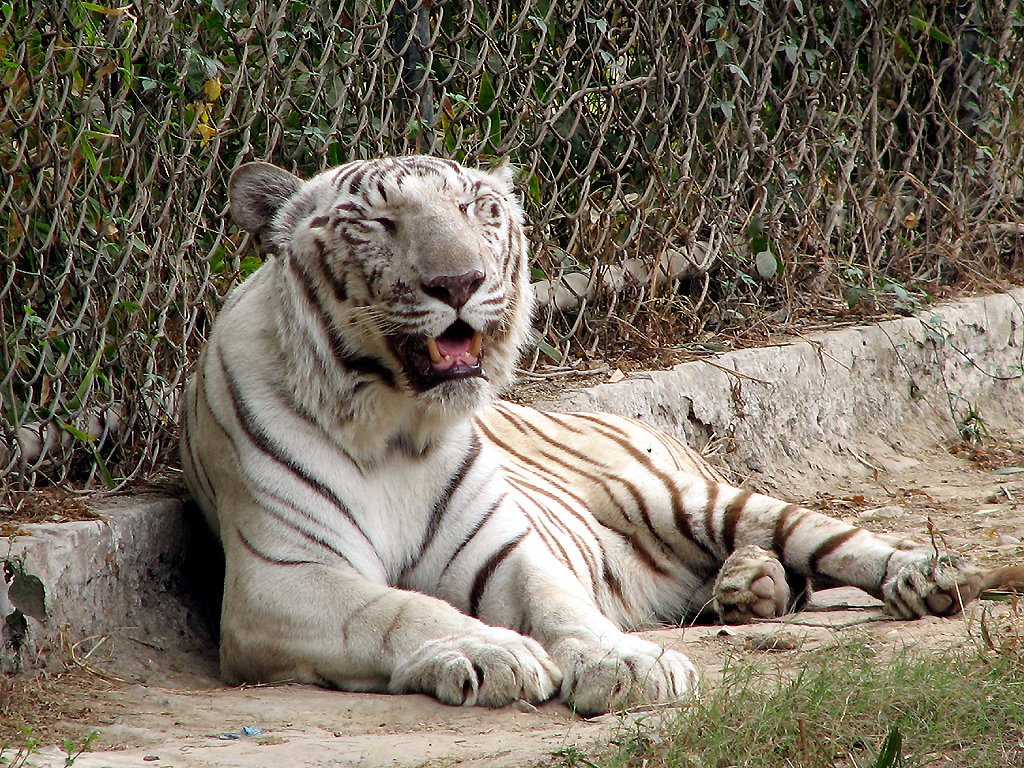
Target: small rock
x: 772, y: 642
x: 1005, y: 540
x: 883, y: 513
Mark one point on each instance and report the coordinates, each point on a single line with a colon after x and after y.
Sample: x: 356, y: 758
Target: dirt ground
x: 156, y: 700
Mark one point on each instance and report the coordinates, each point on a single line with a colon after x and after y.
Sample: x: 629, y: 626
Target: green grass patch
x: 848, y: 707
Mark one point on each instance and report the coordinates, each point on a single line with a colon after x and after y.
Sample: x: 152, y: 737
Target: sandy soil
x: 156, y: 699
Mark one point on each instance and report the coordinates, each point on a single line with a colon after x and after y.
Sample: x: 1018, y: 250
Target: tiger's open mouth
x: 455, y: 354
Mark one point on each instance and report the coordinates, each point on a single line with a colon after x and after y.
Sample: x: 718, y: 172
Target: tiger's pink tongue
x: 453, y: 352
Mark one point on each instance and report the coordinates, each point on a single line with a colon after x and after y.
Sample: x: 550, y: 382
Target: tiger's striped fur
x: 387, y: 525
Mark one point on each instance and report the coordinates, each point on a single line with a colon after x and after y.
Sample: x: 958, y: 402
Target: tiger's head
x: 405, y: 273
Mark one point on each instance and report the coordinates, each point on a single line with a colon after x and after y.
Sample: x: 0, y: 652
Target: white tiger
x: 387, y: 525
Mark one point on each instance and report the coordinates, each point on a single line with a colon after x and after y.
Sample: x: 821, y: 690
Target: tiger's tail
x: 1009, y: 578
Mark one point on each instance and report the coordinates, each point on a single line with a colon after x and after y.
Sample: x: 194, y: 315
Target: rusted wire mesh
x: 686, y: 167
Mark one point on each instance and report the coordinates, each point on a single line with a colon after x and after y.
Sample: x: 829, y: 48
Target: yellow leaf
x: 202, y: 112
x: 107, y: 11
x: 206, y: 131
x: 212, y: 89
x: 911, y: 219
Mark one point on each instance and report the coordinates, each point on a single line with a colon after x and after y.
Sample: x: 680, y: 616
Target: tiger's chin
x: 457, y: 399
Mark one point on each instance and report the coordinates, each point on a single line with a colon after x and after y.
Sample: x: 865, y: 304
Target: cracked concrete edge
x: 99, y: 576
x: 780, y: 410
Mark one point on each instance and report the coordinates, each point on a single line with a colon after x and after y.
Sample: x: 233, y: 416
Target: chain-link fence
x: 686, y: 167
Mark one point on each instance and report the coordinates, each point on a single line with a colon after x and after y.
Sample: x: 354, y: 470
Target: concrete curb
x: 101, y: 575
x: 837, y: 398
x: 842, y: 398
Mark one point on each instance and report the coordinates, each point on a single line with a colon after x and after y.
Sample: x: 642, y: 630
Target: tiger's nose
x: 454, y: 290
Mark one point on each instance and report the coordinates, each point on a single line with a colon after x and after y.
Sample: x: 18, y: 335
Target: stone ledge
x: 102, y: 575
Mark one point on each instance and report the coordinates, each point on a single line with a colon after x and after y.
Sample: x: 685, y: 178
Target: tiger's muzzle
x: 457, y: 353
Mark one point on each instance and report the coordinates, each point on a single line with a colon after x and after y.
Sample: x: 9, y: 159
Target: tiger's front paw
x: 490, y: 667
x: 603, y: 676
x: 936, y: 585
x: 751, y: 585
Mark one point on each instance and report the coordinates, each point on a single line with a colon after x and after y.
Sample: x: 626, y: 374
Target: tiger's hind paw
x: 934, y: 585
x: 750, y: 585
x: 608, y: 676
x: 491, y: 668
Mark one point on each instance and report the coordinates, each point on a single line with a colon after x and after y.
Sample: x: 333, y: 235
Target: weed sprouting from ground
x: 20, y: 754
x: 73, y: 748
x: 850, y: 708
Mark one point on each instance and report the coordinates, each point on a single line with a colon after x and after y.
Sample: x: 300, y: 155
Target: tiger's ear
x: 256, y: 193
x: 505, y: 175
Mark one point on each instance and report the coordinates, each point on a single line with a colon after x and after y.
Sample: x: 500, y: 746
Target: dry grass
x: 43, y: 505
x: 48, y: 706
